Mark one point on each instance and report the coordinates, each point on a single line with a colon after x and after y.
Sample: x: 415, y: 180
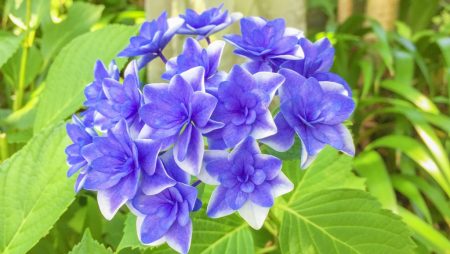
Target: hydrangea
x: 94, y: 91
x: 143, y: 145
x: 264, y: 40
x: 164, y: 216
x: 116, y: 164
x: 81, y: 136
x: 194, y: 55
x: 208, y: 22
x: 317, y: 62
x: 180, y: 112
x: 248, y: 182
x: 152, y: 39
x: 243, y: 107
x: 315, y: 111
x: 121, y: 101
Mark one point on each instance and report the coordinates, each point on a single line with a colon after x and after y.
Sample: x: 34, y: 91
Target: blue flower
x: 164, y: 216
x: 152, y: 39
x: 318, y: 60
x: 81, y: 136
x: 208, y: 22
x: 94, y: 91
x: 264, y: 40
x: 117, y: 165
x: 179, y: 113
x: 121, y: 101
x: 314, y: 110
x: 248, y: 182
x: 244, y: 107
x: 194, y: 55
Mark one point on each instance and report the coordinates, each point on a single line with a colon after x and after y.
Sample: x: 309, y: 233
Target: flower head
x: 179, y: 113
x: 94, y: 91
x: 121, y: 101
x: 243, y: 107
x: 317, y: 62
x: 264, y: 40
x: 164, y: 216
x: 116, y: 165
x: 81, y: 137
x: 314, y: 110
x: 152, y: 39
x: 194, y: 55
x: 208, y: 22
x: 248, y: 182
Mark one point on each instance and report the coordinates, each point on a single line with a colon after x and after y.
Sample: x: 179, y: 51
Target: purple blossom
x: 179, y: 113
x: 121, y: 101
x: 94, y: 91
x: 116, y: 166
x: 152, y: 39
x: 248, y: 182
x: 315, y: 111
x: 194, y: 55
x: 244, y: 107
x: 264, y: 40
x: 208, y: 22
x: 81, y: 136
x: 164, y: 216
x: 318, y: 60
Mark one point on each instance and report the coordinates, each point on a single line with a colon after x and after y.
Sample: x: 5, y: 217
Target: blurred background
x: 395, y: 54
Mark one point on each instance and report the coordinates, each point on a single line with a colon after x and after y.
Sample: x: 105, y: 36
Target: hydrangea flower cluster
x: 149, y: 146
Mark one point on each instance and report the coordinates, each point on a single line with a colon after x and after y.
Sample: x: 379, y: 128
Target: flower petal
x: 253, y: 214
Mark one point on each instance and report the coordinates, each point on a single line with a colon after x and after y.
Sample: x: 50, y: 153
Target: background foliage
x: 396, y: 59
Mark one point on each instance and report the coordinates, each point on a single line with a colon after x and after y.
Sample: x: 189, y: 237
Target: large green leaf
x: 89, y: 245
x: 8, y: 46
x: 341, y: 221
x: 80, y: 18
x: 73, y: 69
x: 226, y: 235
x: 34, y: 190
x: 330, y: 170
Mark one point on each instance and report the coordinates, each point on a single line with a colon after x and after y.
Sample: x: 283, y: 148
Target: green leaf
x: 73, y: 69
x: 411, y: 94
x: 11, y: 70
x: 330, y: 170
x: 342, y: 221
x: 35, y: 190
x: 371, y: 166
x: 225, y: 235
x: 382, y: 45
x: 8, y: 46
x: 130, y: 238
x: 89, y: 245
x: 425, y: 232
x: 417, y: 152
x: 80, y: 18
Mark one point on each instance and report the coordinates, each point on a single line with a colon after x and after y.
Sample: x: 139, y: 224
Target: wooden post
x: 384, y: 11
x: 345, y: 10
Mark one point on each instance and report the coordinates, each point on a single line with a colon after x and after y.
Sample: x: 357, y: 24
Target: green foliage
x: 8, y: 45
x: 35, y: 190
x: 341, y: 221
x: 73, y: 67
x: 89, y: 245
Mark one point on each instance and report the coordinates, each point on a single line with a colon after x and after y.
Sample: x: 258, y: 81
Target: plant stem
x: 269, y: 227
x: 4, y: 153
x: 23, y: 60
x: 196, y: 183
x: 208, y: 40
x: 163, y: 58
